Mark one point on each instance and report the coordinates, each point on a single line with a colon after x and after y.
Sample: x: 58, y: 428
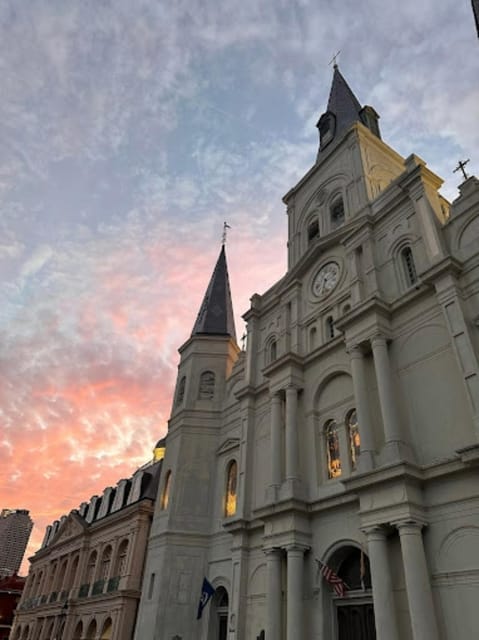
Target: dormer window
x: 337, y: 213
x: 313, y: 230
x: 327, y: 128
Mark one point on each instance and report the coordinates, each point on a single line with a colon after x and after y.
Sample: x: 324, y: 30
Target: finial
x: 460, y: 167
x: 333, y: 60
x: 223, y: 237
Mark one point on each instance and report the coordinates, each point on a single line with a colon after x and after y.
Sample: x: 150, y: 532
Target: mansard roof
x: 216, y: 312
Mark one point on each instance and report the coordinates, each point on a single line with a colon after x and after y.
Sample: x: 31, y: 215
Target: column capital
x: 355, y: 350
x: 296, y: 546
x: 408, y: 526
x: 273, y: 551
x: 375, y: 532
x: 378, y: 339
x: 276, y: 394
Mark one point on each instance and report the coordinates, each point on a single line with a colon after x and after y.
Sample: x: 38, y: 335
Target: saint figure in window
x: 354, y: 438
x: 332, y: 450
x: 231, y: 482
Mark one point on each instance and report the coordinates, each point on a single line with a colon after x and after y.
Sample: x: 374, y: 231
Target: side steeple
x: 343, y: 110
x: 216, y: 312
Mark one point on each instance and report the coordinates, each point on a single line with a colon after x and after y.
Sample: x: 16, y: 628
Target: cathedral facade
x: 324, y: 479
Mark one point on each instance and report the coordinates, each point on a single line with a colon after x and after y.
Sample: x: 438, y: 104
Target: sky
x: 129, y: 132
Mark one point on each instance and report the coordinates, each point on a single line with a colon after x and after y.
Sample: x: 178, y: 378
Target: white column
x: 358, y: 371
x: 384, y: 609
x: 294, y: 609
x: 418, y: 586
x: 276, y: 440
x: 291, y: 431
x: 274, y: 626
x: 387, y: 400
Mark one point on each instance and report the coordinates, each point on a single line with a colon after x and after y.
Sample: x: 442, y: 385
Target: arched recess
x: 219, y: 613
x: 91, y: 631
x: 352, y: 615
x: 107, y: 630
x: 78, y: 633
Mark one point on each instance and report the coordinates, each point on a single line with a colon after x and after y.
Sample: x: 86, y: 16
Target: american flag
x: 332, y: 578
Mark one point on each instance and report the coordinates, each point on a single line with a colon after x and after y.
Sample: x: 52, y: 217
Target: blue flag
x: 207, y: 590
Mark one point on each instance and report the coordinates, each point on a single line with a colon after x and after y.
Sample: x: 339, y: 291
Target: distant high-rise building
x: 15, y: 528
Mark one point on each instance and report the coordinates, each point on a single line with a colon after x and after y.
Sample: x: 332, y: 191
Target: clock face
x: 326, y: 279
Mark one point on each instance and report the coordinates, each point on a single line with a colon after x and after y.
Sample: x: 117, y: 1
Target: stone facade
x: 84, y: 582
x: 346, y: 436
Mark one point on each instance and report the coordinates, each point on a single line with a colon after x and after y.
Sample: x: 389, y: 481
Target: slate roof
x: 216, y: 312
x: 343, y: 103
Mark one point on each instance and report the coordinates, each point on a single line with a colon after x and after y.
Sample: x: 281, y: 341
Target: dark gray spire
x: 343, y: 110
x: 342, y: 102
x: 216, y: 312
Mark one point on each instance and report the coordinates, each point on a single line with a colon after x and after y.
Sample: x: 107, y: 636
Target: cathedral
x: 321, y: 483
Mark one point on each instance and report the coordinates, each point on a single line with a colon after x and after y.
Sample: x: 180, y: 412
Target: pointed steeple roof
x: 216, y: 312
x: 343, y: 110
x: 342, y: 102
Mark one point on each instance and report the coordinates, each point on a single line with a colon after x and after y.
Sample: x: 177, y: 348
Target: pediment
x: 228, y: 445
x: 71, y: 527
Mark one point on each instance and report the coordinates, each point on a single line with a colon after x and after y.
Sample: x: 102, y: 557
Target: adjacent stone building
x: 344, y: 442
x: 85, y: 580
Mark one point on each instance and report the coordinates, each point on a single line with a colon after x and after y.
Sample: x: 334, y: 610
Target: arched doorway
x: 354, y: 613
x: 219, y: 615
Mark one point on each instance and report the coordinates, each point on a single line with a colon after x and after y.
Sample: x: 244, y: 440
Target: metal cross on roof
x: 223, y: 237
x: 460, y: 167
x: 333, y: 59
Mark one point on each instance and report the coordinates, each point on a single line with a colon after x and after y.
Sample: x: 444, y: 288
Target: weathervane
x: 223, y: 237
x: 333, y: 59
x: 460, y: 167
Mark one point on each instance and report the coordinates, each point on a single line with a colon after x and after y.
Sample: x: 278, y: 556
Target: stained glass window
x: 354, y: 437
x: 332, y: 450
x: 231, y: 482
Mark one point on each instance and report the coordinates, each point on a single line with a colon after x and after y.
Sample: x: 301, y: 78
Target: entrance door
x: 356, y: 622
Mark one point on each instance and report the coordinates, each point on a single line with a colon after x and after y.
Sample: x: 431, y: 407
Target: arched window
x: 90, y: 570
x: 180, y: 394
x: 73, y: 572
x: 313, y: 230
x: 219, y: 622
x: 121, y: 558
x: 409, y: 268
x: 354, y: 438
x: 165, y: 496
x: 271, y: 351
x: 206, y: 389
x: 105, y: 563
x: 231, y: 485
x: 329, y: 328
x: 332, y: 449
x: 337, y: 213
